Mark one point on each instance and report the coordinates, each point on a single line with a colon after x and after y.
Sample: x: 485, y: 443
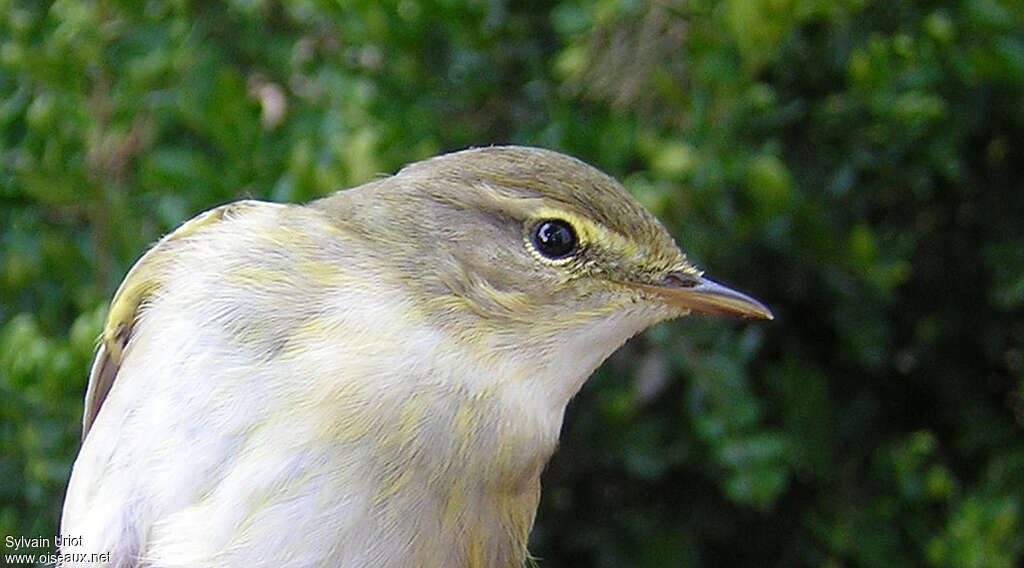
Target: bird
x: 374, y: 378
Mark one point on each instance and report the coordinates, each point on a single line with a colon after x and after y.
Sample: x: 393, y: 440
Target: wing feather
x: 143, y: 280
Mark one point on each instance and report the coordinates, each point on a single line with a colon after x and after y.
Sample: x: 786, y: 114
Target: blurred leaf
x: 850, y: 163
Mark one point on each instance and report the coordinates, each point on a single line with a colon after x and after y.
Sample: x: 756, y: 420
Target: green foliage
x: 855, y: 164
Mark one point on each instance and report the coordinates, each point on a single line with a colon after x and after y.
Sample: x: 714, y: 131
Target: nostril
x: 681, y: 280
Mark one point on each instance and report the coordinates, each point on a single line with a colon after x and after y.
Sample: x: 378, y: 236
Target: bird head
x: 530, y: 252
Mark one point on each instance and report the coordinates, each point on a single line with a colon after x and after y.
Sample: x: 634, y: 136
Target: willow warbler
x: 374, y: 379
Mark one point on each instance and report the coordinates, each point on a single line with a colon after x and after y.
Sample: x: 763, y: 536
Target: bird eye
x: 554, y: 239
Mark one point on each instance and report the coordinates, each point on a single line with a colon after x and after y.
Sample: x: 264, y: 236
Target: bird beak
x: 698, y: 294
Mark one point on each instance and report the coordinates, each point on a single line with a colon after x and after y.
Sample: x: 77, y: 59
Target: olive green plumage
x: 376, y: 378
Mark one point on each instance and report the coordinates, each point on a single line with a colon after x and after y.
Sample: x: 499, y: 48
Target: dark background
x: 855, y: 164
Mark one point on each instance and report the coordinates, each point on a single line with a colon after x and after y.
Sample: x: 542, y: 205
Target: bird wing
x: 142, y: 281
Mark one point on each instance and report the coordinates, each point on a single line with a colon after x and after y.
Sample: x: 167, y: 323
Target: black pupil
x: 554, y: 239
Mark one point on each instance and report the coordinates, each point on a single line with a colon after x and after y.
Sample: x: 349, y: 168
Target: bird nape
x: 375, y: 378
